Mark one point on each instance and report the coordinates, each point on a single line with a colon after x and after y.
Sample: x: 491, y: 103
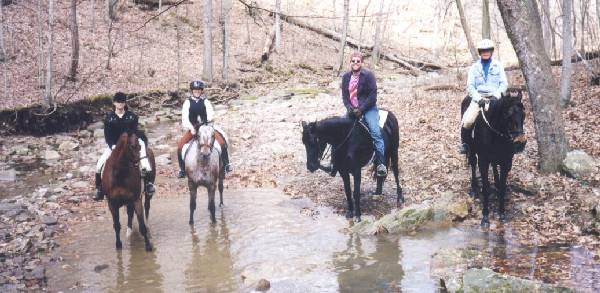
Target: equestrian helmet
x: 485, y: 44
x: 196, y: 85
x: 120, y: 97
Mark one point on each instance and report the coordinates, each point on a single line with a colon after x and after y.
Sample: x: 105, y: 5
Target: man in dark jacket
x: 117, y: 122
x: 359, y: 94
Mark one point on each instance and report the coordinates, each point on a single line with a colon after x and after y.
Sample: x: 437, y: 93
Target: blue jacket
x: 367, y: 90
x: 494, y: 85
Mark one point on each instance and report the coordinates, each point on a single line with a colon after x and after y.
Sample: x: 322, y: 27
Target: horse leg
x: 399, y: 195
x: 129, y: 219
x: 211, y: 203
x: 474, y: 185
x: 221, y: 178
x: 114, y: 210
x: 496, y: 177
x: 356, y: 176
x: 193, y: 190
x: 484, y: 166
x: 504, y: 169
x: 147, y: 198
x: 379, y: 189
x: 346, y: 178
x: 139, y: 212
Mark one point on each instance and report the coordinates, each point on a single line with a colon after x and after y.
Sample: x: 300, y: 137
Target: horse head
x: 206, y: 140
x: 313, y: 145
x: 514, y: 116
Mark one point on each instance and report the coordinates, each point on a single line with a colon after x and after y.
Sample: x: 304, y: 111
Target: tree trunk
x: 178, y: 37
x: 567, y: 49
x: 207, y: 67
x: 159, y: 9
x: 74, y: 41
x: 225, y: 9
x: 598, y: 13
x: 546, y: 26
x: 48, y: 90
x: 376, y: 42
x: 2, y: 47
x: 584, y: 10
x: 277, y: 26
x: 523, y: 26
x: 109, y: 44
x: 344, y: 35
x: 485, y: 20
x: 466, y: 29
x: 111, y: 13
x: 41, y: 78
x: 362, y: 24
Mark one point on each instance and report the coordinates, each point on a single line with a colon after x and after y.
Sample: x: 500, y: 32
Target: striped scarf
x: 353, y: 89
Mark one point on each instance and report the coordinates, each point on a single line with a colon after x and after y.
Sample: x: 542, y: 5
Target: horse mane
x: 119, y: 152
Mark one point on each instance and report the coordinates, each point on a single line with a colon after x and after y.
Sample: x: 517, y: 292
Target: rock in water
x: 263, y: 285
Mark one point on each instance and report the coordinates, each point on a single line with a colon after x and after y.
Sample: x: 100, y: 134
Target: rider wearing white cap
x: 486, y: 80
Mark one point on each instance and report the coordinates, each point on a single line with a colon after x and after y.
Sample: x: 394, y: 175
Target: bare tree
x: 207, y: 67
x: 277, y: 26
x: 523, y: 27
x: 48, y: 90
x: 2, y: 48
x: 74, y: 41
x: 40, y: 46
x: 225, y: 9
x: 334, y: 18
x: 344, y: 35
x: 598, y: 12
x: 362, y: 24
x: 111, y: 12
x: 377, y: 41
x: 109, y: 43
x: 178, y: 37
x: 567, y: 48
x: 546, y: 25
x: 584, y: 11
x: 466, y: 29
x: 485, y: 20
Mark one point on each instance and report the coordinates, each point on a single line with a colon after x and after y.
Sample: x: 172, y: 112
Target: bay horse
x: 204, y: 167
x: 352, y: 149
x: 122, y: 184
x: 498, y: 136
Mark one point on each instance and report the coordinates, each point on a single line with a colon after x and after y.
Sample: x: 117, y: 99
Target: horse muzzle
x: 519, y: 142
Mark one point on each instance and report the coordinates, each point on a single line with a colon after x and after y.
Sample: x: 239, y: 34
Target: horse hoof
x: 221, y: 205
x: 503, y: 218
x: 357, y: 219
x: 129, y: 232
x: 191, y: 222
x: 485, y: 222
x: 472, y: 193
x: 349, y: 215
x: 119, y: 245
x: 148, y: 247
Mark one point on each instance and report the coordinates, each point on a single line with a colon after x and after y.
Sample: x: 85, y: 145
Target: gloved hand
x: 481, y: 103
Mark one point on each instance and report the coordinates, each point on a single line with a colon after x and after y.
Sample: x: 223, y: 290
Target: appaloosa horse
x: 121, y: 181
x: 204, y: 167
x: 498, y: 136
x: 352, y: 149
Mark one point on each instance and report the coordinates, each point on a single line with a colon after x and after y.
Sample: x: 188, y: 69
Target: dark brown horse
x: 122, y: 183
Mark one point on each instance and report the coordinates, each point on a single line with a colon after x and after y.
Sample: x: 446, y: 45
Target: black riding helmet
x: 120, y: 97
x: 196, y: 85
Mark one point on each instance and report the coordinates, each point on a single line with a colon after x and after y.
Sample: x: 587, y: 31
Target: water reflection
x: 142, y: 271
x: 376, y: 271
x: 211, y: 266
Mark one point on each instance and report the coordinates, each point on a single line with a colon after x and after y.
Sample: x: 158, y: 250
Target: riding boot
x: 381, y: 168
x: 226, y: 164
x: 99, y: 194
x: 333, y: 169
x: 181, y: 173
x: 466, y: 140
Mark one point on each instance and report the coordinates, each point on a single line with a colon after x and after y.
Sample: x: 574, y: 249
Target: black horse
x: 352, y: 148
x: 498, y: 136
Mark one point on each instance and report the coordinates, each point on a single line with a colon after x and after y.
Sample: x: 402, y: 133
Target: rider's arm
x: 108, y: 133
x: 471, y: 87
x: 346, y: 92
x: 503, y: 83
x: 371, y: 99
x: 185, y: 116
x: 210, y: 112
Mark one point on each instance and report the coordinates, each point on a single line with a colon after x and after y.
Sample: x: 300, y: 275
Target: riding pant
x: 371, y: 118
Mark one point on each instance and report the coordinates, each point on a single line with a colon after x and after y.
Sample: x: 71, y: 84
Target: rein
x: 490, y: 126
x: 341, y: 144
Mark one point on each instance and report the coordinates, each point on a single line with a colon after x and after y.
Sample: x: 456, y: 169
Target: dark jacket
x: 367, y: 90
x: 115, y: 126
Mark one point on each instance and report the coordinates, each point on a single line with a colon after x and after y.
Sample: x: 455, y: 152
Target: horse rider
x: 198, y: 110
x: 122, y: 120
x: 359, y: 94
x: 486, y: 80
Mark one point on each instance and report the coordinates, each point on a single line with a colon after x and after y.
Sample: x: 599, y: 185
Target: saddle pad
x: 382, y: 117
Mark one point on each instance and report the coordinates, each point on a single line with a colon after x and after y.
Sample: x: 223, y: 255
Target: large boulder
x: 578, y: 164
x: 408, y: 219
x: 450, y: 206
x: 486, y: 280
x: 448, y: 266
x: 68, y: 146
x: 51, y: 155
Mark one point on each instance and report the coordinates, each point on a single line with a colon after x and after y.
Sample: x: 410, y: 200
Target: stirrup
x: 381, y: 170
